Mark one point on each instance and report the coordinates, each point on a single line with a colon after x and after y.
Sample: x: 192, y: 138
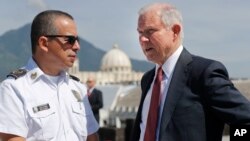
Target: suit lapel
x: 175, y: 90
x: 145, y: 85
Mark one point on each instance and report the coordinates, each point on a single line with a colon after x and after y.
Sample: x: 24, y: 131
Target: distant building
x: 120, y: 103
x: 115, y: 68
x: 243, y: 85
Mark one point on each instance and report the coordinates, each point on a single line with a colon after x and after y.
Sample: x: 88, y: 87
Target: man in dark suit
x: 196, y: 97
x: 95, y: 97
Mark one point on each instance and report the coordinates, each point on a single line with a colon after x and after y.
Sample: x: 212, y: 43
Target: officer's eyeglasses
x: 70, y: 38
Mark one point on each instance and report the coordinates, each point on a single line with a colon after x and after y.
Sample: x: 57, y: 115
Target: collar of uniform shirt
x: 34, y: 72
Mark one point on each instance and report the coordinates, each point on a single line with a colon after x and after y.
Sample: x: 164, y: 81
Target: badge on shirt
x: 41, y: 108
x: 77, y: 95
x: 33, y: 75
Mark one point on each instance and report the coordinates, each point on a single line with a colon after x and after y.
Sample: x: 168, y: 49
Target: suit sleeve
x: 222, y: 96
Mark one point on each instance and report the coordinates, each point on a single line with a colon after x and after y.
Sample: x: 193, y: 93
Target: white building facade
x: 115, y: 68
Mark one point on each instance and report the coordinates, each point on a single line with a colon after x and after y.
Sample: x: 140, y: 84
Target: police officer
x: 41, y: 101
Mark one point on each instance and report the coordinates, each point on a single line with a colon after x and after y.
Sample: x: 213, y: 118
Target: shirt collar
x: 170, y: 63
x: 34, y: 72
x: 91, y: 89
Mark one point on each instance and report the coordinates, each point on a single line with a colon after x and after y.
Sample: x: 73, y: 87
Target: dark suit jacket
x: 96, y: 102
x: 200, y: 100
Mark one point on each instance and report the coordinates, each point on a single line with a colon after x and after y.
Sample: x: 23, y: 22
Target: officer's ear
x: 43, y: 43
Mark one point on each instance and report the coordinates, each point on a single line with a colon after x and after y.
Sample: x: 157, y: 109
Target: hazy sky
x: 217, y: 29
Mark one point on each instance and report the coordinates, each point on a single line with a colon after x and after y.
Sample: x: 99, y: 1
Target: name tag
x: 41, y: 108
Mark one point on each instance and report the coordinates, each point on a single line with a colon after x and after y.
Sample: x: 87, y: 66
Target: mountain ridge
x: 15, y: 50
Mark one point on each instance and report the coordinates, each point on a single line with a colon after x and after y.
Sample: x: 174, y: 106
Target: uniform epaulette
x: 74, y: 77
x: 17, y: 73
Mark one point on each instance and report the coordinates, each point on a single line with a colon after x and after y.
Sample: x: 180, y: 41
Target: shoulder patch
x: 17, y: 73
x: 74, y: 78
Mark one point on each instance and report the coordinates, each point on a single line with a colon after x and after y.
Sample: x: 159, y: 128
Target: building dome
x: 116, y: 60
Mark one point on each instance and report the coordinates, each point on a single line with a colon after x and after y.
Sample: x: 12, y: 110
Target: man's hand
x: 10, y: 137
x: 93, y: 137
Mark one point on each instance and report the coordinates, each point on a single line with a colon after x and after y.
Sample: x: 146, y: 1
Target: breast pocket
x: 80, y: 116
x: 43, y: 120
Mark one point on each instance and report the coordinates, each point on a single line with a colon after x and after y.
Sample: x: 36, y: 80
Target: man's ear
x: 176, y: 29
x: 43, y: 43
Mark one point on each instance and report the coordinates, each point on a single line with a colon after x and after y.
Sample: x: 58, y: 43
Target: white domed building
x: 116, y: 68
